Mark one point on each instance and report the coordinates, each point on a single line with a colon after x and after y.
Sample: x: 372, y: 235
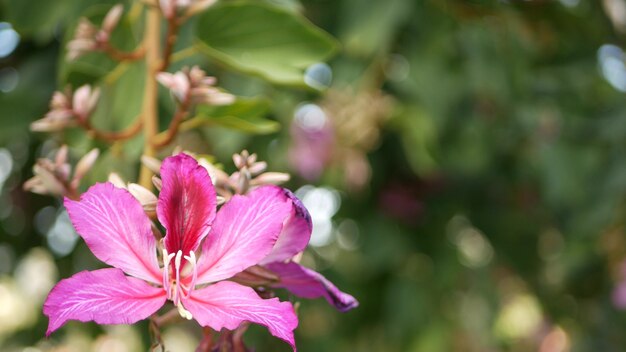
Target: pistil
x: 173, y: 286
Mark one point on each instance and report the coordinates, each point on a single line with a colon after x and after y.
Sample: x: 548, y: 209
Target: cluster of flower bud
x: 89, y: 38
x: 54, y: 177
x: 194, y: 86
x: 251, y: 173
x: 185, y: 8
x: 66, y: 108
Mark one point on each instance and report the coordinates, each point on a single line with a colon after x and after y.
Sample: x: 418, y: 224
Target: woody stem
x: 149, y: 111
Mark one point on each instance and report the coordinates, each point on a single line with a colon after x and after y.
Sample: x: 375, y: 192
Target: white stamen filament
x: 177, y: 262
x: 166, y: 272
x: 192, y: 260
x: 177, y: 291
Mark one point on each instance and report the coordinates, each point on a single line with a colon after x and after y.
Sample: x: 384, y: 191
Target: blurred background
x: 464, y: 162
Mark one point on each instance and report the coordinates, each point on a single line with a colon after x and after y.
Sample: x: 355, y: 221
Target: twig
x: 109, y: 136
x: 119, y: 55
x: 173, y: 25
x: 168, y: 135
x: 207, y: 340
x: 167, y: 318
x: 155, y: 334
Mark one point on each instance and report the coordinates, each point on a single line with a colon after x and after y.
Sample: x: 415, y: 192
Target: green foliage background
x: 502, y: 125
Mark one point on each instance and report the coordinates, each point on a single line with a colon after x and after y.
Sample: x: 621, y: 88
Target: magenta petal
x: 243, y: 233
x: 116, y: 229
x: 187, y: 203
x: 105, y: 296
x: 295, y: 235
x: 306, y: 283
x: 227, y: 304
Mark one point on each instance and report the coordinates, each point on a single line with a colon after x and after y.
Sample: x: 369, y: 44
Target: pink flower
x: 118, y: 232
x: 299, y: 280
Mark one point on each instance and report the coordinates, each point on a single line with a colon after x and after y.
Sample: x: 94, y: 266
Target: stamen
x: 184, y: 312
x: 177, y: 263
x: 192, y: 261
x: 166, y: 272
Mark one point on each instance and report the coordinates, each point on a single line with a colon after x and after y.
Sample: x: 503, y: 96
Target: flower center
x: 172, y: 280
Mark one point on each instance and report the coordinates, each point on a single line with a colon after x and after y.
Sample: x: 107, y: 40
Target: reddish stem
x: 173, y: 25
x: 108, y: 136
x: 119, y: 55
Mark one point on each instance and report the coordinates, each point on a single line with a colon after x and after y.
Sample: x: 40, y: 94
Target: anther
x: 184, y: 312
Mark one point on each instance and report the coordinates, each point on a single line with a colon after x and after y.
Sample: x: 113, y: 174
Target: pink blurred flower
x: 619, y: 292
x: 312, y: 144
x: 118, y: 232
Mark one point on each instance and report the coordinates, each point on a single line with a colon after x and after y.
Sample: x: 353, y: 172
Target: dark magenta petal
x: 227, y: 304
x: 105, y: 296
x: 116, y: 229
x: 244, y: 232
x: 306, y: 283
x: 187, y: 203
x: 296, y: 232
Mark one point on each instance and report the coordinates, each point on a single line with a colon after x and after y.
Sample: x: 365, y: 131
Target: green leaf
x: 29, y: 100
x: 418, y: 134
x: 246, y: 115
x: 370, y: 29
x: 38, y: 18
x: 261, y: 39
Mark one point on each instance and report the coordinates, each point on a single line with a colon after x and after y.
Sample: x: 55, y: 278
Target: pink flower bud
x: 85, y: 29
x: 143, y: 195
x: 158, y: 184
x: 153, y: 164
x: 59, y: 101
x: 53, y: 121
x: 84, y: 40
x: 116, y: 180
x: 59, y: 116
x: 178, y: 83
x: 168, y: 8
x: 45, y: 180
x: 61, y: 157
x: 84, y: 101
x: 199, y: 6
x: 84, y: 165
x: 239, y: 161
x: 257, y: 167
x: 112, y: 18
x: 270, y: 178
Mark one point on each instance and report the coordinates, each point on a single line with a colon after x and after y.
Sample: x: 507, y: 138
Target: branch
x: 150, y: 108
